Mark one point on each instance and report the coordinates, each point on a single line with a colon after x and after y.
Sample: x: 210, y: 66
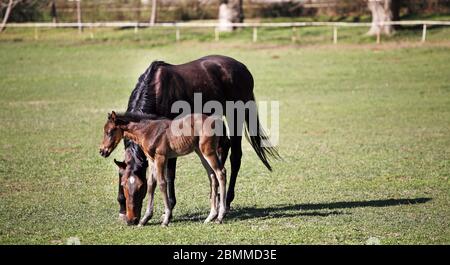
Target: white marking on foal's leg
x: 213, y: 200
x: 222, y: 184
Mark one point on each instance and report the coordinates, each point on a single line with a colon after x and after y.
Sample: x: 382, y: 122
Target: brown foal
x: 162, y: 139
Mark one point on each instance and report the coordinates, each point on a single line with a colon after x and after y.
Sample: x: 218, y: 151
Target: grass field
x: 364, y: 133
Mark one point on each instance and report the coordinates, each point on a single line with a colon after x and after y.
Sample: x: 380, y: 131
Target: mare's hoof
x: 164, y: 225
x: 219, y: 221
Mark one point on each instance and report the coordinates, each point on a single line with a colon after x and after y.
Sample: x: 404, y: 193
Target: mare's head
x: 112, y: 134
x: 134, y: 189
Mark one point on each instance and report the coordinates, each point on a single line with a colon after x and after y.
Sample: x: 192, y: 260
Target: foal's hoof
x: 163, y: 217
x: 209, y: 219
x: 219, y: 221
x: 164, y: 224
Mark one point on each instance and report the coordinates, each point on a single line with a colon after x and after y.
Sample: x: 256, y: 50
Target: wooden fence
x: 215, y: 26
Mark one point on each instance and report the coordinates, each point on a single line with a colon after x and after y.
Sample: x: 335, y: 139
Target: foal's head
x: 112, y: 134
x: 134, y: 189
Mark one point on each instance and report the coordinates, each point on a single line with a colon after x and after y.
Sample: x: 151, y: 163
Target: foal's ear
x: 120, y: 164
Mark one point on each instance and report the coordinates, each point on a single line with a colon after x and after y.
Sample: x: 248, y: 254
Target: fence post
x: 177, y: 34
x: 91, y: 29
x: 294, y: 34
x: 335, y: 32
x: 36, y: 36
x: 80, y: 25
x: 136, y: 28
x: 255, y: 34
x: 216, y: 34
x: 424, y: 33
x: 378, y: 36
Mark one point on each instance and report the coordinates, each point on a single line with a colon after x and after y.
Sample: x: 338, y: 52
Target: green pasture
x: 364, y: 136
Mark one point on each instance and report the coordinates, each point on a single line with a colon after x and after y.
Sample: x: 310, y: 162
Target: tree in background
x: 9, y: 5
x: 230, y: 11
x: 383, y: 11
x: 53, y: 12
x: 153, y: 15
x: 20, y: 11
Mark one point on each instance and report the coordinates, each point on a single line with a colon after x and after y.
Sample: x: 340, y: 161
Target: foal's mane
x: 137, y: 117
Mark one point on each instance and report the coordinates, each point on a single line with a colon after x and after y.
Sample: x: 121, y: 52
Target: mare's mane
x: 142, y: 100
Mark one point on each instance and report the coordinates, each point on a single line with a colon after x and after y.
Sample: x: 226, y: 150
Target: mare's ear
x: 120, y: 164
x: 112, y: 116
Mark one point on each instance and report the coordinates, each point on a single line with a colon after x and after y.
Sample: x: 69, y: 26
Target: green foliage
x: 26, y: 11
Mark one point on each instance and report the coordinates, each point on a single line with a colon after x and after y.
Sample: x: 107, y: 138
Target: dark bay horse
x: 160, y: 140
x: 216, y: 77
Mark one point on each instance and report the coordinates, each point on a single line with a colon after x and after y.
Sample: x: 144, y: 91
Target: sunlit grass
x: 364, y: 136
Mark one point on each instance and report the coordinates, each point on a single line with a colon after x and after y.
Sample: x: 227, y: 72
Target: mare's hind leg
x: 235, y: 161
x: 151, y: 185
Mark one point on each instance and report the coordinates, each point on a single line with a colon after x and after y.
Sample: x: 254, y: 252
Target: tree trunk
x: 6, y: 16
x: 381, y: 13
x: 80, y: 25
x: 138, y: 11
x: 230, y: 11
x: 396, y: 5
x: 53, y: 12
x: 153, y: 16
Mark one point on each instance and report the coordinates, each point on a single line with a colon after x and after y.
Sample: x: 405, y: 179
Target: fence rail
x: 215, y: 26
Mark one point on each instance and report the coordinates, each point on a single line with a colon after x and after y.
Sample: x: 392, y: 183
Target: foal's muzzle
x: 104, y: 152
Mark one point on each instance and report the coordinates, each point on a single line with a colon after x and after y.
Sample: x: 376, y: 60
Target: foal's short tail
x: 255, y: 136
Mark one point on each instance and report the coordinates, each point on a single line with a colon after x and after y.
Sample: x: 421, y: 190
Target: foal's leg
x: 160, y: 165
x: 214, y: 163
x: 213, y: 183
x: 151, y: 185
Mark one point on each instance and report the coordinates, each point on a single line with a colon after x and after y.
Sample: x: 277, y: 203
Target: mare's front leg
x: 122, y: 202
x: 170, y: 179
x: 160, y: 166
x: 151, y: 185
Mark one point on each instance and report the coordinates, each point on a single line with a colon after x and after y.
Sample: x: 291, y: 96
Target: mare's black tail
x: 255, y: 136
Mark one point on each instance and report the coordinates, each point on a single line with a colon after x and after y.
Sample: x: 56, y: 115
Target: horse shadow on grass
x: 296, y: 210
